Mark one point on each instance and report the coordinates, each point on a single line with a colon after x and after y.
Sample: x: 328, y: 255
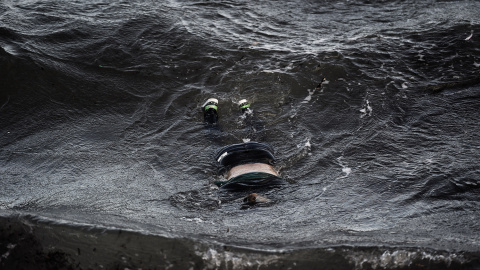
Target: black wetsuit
x: 244, y: 153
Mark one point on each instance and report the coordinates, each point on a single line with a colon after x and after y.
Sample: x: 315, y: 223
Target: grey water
x: 105, y: 159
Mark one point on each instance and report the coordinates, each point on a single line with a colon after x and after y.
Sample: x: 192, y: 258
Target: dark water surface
x: 105, y: 162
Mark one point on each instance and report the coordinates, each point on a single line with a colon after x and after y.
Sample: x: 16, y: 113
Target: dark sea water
x: 105, y: 162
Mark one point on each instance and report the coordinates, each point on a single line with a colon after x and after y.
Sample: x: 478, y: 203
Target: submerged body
x: 248, y: 165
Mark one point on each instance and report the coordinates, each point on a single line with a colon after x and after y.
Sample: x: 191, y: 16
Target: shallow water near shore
x: 101, y: 133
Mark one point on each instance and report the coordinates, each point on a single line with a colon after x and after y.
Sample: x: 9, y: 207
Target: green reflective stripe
x: 211, y: 106
x: 245, y: 106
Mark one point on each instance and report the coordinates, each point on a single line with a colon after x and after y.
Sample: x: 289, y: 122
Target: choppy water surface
x: 101, y: 131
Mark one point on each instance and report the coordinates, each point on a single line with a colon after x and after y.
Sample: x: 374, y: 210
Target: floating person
x: 249, y: 166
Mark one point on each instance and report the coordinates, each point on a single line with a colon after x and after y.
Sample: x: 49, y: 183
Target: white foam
x: 215, y: 259
x: 309, y: 97
x: 367, y: 111
x: 392, y: 259
x: 346, y: 170
x: 196, y: 220
x: 6, y: 254
x: 308, y: 144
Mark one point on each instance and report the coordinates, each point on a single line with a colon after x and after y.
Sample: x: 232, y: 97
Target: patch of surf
x: 400, y: 258
x: 366, y: 110
x: 345, y: 169
x: 306, y: 147
x: 220, y: 259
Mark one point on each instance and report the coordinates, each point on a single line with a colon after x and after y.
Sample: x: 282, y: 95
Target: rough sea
x: 105, y: 162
